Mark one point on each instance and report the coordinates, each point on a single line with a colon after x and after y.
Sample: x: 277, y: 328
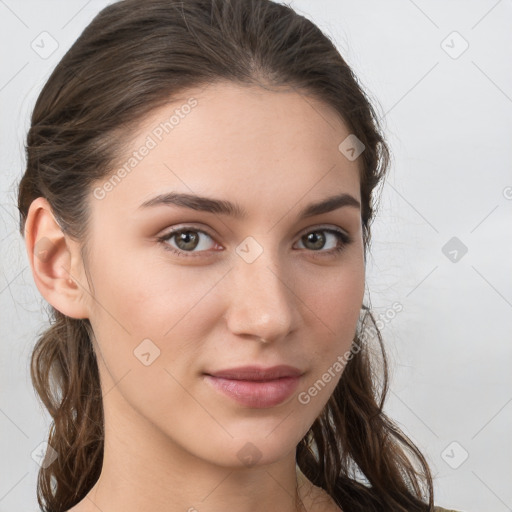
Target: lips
x: 258, y: 373
x: 256, y: 387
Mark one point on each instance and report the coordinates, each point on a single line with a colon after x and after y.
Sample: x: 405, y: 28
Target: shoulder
x: 441, y: 509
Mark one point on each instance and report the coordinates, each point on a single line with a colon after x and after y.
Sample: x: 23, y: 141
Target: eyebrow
x: 219, y: 206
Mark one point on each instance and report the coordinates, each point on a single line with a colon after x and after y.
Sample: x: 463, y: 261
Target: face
x: 180, y: 293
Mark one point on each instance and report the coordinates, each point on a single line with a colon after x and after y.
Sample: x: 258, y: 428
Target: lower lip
x: 256, y: 394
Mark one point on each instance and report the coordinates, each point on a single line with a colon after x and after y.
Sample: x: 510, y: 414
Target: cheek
x: 335, y: 301
x: 334, y: 313
x: 151, y: 312
x: 143, y: 297
x: 143, y: 328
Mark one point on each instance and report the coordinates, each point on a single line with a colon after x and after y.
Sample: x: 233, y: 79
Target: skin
x: 171, y: 440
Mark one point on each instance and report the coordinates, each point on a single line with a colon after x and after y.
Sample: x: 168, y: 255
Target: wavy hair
x: 131, y: 59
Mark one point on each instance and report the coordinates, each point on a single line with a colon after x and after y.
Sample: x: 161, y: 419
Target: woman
x: 196, y: 208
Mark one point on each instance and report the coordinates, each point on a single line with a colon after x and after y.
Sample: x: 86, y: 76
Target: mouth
x: 256, y: 387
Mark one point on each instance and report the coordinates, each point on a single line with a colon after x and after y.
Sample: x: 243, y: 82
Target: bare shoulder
x: 80, y: 507
x: 315, y: 499
x: 320, y: 501
x: 76, y: 508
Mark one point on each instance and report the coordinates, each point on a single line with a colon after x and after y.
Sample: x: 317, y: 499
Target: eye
x: 316, y: 240
x: 188, y: 238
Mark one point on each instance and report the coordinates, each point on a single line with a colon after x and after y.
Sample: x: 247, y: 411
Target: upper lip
x: 258, y: 373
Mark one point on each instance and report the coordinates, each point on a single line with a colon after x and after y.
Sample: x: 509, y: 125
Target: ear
x: 55, y: 260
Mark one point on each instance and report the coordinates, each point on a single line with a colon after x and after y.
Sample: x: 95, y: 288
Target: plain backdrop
x: 440, y: 75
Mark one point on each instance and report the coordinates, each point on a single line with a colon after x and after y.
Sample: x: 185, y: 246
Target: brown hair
x: 132, y: 58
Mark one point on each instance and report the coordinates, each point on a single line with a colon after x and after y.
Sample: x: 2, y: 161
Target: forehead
x: 243, y: 141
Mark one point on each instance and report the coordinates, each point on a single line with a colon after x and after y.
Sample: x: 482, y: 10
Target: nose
x: 262, y: 303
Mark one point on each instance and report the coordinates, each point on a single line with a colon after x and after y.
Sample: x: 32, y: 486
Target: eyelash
x: 343, y: 237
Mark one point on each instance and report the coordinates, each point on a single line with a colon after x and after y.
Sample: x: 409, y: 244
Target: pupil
x: 320, y: 240
x: 185, y: 237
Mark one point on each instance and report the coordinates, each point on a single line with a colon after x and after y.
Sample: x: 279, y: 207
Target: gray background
x: 447, y: 112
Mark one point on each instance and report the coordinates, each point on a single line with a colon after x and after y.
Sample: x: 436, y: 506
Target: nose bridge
x: 262, y: 304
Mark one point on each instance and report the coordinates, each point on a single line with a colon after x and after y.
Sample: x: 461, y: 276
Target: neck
x: 144, y: 470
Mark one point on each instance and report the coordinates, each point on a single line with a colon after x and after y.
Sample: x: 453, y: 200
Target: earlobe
x: 55, y: 261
